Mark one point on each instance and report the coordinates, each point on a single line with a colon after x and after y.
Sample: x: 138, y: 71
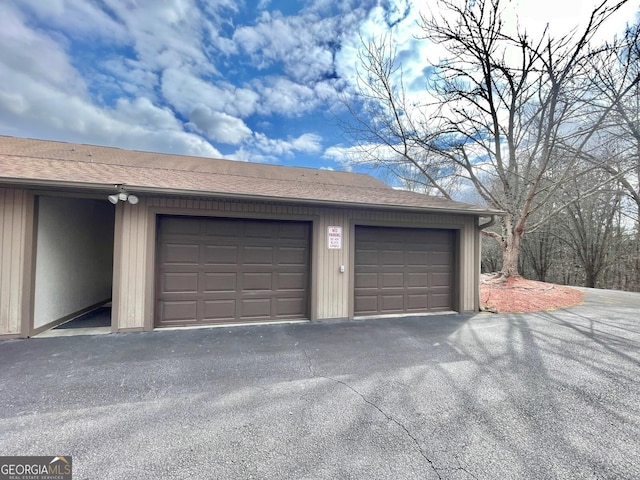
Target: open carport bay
x: 548, y: 395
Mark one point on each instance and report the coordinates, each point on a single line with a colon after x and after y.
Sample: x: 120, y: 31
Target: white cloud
x: 304, y: 44
x: 52, y: 113
x: 567, y: 15
x: 143, y: 113
x: 34, y: 54
x: 78, y: 18
x: 283, y: 96
x: 308, y: 143
x: 268, y: 150
x: 219, y: 126
x: 347, y: 155
x: 45, y: 96
x: 130, y: 77
x: 184, y: 90
x: 166, y: 34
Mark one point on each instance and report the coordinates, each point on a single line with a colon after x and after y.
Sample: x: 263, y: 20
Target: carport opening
x: 73, y: 263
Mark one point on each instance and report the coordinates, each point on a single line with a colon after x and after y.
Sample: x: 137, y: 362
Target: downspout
x: 490, y: 223
x: 482, y: 226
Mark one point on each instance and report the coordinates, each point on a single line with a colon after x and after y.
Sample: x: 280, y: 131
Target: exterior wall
x: 133, y: 223
x: 74, y: 257
x: 331, y: 290
x: 16, y: 233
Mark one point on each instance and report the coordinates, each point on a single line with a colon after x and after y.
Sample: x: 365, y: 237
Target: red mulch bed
x: 519, y: 295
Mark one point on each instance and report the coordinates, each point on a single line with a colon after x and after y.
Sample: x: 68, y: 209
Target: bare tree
x: 540, y: 250
x: 615, y: 82
x: 504, y: 113
x: 590, y: 230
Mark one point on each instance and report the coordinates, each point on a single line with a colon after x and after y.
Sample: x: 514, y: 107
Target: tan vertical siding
x: 130, y: 284
x: 331, y: 290
x: 470, y: 264
x: 332, y: 286
x: 16, y: 208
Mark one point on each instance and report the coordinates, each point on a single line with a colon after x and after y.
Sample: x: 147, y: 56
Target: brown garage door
x: 217, y: 270
x: 403, y: 270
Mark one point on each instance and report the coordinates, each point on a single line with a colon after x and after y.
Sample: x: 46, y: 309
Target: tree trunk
x: 590, y: 278
x: 511, y: 253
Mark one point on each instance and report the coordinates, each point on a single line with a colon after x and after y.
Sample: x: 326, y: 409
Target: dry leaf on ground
x: 519, y: 295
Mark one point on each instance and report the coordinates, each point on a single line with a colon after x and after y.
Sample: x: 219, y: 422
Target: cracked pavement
x: 545, y: 395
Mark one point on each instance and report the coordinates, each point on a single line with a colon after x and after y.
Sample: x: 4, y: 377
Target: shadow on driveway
x: 546, y: 395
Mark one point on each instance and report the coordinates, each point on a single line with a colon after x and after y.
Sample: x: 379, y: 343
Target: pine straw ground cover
x: 519, y: 295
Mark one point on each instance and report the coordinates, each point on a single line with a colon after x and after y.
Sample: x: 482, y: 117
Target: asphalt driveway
x: 548, y: 395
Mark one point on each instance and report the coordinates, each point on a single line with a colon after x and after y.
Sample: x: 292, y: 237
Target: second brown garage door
x: 403, y: 270
x: 220, y: 270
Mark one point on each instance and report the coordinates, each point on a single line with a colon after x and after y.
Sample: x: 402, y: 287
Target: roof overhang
x: 43, y: 184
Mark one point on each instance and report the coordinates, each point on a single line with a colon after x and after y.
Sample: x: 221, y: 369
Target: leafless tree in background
x: 505, y: 113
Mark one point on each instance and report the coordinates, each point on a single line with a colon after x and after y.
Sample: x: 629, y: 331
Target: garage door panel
x: 180, y: 226
x: 257, y: 255
x: 220, y: 282
x: 294, y: 281
x: 289, y: 307
x: 392, y: 280
x: 417, y: 302
x: 440, y: 279
x: 243, y: 270
x: 259, y: 230
x: 415, y: 257
x: 220, y: 254
x: 293, y: 231
x: 366, y: 304
x: 256, y: 308
x: 392, y: 303
x: 440, y: 259
x: 391, y: 258
x: 219, y: 310
x: 420, y: 279
x: 366, y: 280
x: 222, y: 227
x: 296, y: 256
x: 441, y: 301
x: 367, y: 257
x: 180, y: 282
x: 257, y: 281
x: 179, y: 311
x: 185, y: 254
x: 403, y: 270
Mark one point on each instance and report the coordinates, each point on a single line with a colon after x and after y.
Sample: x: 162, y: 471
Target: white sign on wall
x: 334, y: 237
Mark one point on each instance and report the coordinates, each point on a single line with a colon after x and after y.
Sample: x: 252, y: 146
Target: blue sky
x: 248, y: 80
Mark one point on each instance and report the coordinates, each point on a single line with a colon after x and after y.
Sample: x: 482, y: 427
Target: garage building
x: 177, y: 241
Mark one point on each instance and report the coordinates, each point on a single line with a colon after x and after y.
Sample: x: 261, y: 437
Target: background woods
x: 541, y: 125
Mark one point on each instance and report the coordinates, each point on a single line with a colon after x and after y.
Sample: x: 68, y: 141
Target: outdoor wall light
x: 123, y: 196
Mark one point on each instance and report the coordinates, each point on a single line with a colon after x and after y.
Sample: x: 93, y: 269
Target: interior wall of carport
x: 74, y: 257
x: 331, y: 290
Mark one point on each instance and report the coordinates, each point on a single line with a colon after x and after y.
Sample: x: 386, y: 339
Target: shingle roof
x: 41, y: 162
